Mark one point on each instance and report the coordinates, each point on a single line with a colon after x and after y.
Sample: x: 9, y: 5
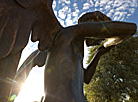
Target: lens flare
x: 12, y: 97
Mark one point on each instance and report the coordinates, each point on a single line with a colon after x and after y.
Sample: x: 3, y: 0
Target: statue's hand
x: 102, y: 50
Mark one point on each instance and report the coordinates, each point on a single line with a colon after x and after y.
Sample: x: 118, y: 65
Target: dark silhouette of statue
x: 17, y: 19
x: 64, y: 72
x: 64, y: 46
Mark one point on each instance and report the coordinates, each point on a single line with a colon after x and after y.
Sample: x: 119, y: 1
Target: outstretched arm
x: 105, y: 29
x: 90, y: 70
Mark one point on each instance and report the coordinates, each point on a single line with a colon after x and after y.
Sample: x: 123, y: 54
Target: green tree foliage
x: 116, y: 76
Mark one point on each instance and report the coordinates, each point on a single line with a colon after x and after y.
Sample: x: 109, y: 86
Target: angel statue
x: 63, y: 47
x: 67, y: 78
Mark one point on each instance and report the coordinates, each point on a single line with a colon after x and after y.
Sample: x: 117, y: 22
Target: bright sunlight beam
x: 33, y: 88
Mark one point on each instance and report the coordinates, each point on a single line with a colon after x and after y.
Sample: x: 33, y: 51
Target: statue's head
x: 96, y: 16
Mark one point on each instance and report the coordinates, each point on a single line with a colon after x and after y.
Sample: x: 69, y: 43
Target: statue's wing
x: 15, y: 27
x: 19, y: 17
x: 9, y: 23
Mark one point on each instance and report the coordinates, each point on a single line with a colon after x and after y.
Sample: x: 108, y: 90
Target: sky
x: 67, y: 13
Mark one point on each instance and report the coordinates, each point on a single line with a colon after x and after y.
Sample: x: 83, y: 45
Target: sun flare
x: 33, y: 89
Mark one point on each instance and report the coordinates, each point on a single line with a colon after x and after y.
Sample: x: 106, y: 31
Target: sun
x: 33, y: 89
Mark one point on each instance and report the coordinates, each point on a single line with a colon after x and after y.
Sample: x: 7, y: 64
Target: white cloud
x: 131, y: 10
x: 66, y: 1
x: 75, y: 13
x: 68, y: 16
x: 119, y: 15
x: 133, y: 4
x: 72, y: 17
x: 103, y: 2
x: 54, y: 5
x: 107, y: 7
x: 115, y: 18
x: 101, y: 9
x: 110, y: 7
x: 91, y: 3
x: 122, y: 16
x: 69, y: 20
x: 86, y: 6
x: 120, y: 8
x: 118, y: 3
x: 109, y: 2
x: 116, y: 13
x: 123, y: 7
x: 97, y: 3
x: 75, y: 5
x: 111, y: 12
x: 62, y: 12
x: 61, y: 22
x: 96, y: 9
x: 128, y: 15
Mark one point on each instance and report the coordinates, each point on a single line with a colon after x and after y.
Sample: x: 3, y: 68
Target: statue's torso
x: 64, y: 71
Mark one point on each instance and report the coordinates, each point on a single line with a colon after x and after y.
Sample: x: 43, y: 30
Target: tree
x: 116, y: 76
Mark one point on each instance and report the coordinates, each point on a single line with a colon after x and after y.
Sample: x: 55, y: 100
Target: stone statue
x: 20, y: 17
x: 64, y: 72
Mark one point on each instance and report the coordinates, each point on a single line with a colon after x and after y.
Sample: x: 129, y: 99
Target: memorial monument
x: 64, y: 73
